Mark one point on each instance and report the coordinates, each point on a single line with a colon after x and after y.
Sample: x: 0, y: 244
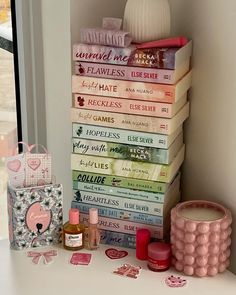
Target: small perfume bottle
x: 93, y: 235
x: 73, y: 232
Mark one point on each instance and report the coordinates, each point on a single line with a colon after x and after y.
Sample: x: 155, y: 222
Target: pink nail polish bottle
x: 93, y: 232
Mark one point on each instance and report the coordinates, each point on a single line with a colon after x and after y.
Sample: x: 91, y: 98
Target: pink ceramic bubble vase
x: 200, y: 238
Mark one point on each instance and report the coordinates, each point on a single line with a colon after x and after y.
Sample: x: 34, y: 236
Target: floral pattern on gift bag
x: 35, y: 216
x: 38, y: 168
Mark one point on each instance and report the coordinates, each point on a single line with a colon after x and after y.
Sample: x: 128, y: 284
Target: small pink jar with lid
x: 159, y: 255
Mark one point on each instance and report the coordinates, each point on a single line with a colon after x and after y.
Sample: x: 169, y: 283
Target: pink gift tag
x: 15, y: 165
x: 80, y: 259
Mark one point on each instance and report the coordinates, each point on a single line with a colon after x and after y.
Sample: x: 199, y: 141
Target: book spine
x: 123, y: 226
x: 130, y: 89
x: 119, y: 151
x: 131, y: 122
x: 121, y: 72
x: 119, y: 191
x: 150, y: 57
x: 124, y: 89
x: 120, y: 214
x: 121, y: 182
x: 117, y: 239
x: 117, y: 202
x: 125, y: 168
x: 127, y: 106
x: 94, y: 132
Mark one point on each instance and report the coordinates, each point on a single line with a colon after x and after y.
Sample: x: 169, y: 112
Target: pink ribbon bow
x: 46, y: 255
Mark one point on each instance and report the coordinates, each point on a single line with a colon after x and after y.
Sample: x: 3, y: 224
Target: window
x: 9, y: 120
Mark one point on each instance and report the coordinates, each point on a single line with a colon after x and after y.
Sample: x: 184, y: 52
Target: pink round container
x: 200, y: 238
x: 159, y: 256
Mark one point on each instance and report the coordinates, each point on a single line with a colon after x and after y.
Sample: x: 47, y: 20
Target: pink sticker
x: 47, y: 256
x: 128, y: 270
x: 115, y: 254
x: 80, y: 259
x: 175, y: 282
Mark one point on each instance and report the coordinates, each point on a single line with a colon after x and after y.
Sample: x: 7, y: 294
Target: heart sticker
x: 14, y: 165
x: 115, y: 254
x: 33, y: 163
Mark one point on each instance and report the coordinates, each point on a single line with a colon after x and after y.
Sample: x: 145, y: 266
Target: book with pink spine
x: 130, y: 89
x: 160, y: 58
x: 140, y: 74
x: 128, y: 106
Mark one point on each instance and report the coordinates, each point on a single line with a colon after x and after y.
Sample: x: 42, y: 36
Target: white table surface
x: 19, y: 276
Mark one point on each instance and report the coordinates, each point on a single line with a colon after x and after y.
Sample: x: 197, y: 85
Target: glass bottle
x: 93, y: 235
x: 73, y: 232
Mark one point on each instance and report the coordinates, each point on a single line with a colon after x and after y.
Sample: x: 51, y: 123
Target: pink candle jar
x: 159, y: 256
x: 200, y: 238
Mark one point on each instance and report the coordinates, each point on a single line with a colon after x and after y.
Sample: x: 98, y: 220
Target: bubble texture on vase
x: 200, y: 248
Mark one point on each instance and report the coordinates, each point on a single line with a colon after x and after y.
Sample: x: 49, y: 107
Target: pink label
x: 37, y: 218
x: 139, y: 74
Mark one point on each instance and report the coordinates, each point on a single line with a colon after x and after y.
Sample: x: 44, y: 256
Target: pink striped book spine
x: 119, y: 72
x: 128, y: 106
x: 124, y: 226
x: 131, y: 89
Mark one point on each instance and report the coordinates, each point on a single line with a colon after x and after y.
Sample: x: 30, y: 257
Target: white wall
x: 210, y: 165
x: 90, y: 13
x: 61, y: 25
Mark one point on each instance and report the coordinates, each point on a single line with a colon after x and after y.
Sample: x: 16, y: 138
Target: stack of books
x: 128, y: 110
